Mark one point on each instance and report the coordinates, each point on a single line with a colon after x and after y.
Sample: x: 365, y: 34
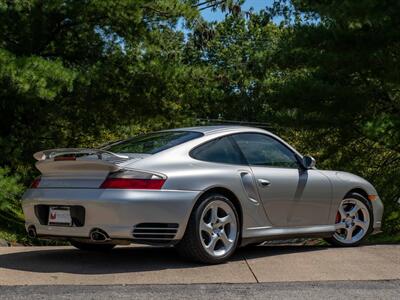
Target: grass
x: 383, y: 238
x: 21, y: 239
x: 12, y: 230
x: 9, y: 237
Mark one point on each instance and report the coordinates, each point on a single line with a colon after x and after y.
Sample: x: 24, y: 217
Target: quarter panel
x: 186, y: 173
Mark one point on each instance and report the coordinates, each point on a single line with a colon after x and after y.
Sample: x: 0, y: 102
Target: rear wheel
x: 212, y: 233
x: 353, y: 221
x: 91, y: 246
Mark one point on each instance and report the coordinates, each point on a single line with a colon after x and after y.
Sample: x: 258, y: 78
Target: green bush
x: 10, y: 191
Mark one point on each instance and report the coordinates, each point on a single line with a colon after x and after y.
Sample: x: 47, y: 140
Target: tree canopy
x: 324, y: 74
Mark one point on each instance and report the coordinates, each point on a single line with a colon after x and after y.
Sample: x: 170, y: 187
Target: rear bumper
x: 114, y: 211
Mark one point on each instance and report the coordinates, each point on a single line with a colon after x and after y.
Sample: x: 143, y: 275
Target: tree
x: 328, y: 75
x: 70, y: 71
x: 78, y: 73
x: 341, y: 61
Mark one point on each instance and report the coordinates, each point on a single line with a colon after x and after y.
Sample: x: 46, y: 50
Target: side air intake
x: 155, y: 233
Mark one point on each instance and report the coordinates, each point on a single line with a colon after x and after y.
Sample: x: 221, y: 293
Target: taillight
x: 133, y: 180
x: 35, y: 183
x: 125, y: 183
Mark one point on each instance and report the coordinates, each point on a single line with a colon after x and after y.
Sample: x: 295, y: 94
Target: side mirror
x: 308, y: 162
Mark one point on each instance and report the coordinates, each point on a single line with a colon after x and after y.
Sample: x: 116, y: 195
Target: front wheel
x: 354, y: 221
x: 212, y: 233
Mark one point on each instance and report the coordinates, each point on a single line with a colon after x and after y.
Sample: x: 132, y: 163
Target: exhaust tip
x: 99, y: 235
x: 32, y: 232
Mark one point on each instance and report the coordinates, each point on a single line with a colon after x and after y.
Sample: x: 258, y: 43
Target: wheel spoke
x: 361, y: 224
x: 213, y: 242
x: 214, y: 214
x: 349, y: 233
x: 352, y: 212
x: 206, y: 228
x: 225, y: 220
x: 340, y: 225
x: 342, y: 212
x: 224, y: 238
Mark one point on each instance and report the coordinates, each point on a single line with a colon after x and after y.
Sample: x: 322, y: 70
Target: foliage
x: 10, y: 190
x: 79, y: 73
x: 326, y: 78
x: 69, y: 70
x: 342, y: 67
x: 82, y: 73
x: 11, y: 221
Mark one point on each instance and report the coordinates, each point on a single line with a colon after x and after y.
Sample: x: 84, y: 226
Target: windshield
x: 153, y: 142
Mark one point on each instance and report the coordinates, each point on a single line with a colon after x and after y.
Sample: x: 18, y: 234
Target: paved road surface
x: 303, y: 290
x: 276, y: 271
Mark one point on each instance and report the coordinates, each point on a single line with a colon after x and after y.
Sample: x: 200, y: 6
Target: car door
x: 291, y: 195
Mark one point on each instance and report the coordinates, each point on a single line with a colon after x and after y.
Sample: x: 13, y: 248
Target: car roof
x: 211, y: 130
x: 206, y: 130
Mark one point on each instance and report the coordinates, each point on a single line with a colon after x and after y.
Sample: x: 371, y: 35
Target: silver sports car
x: 205, y: 190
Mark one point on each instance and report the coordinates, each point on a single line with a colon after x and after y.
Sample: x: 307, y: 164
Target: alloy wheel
x: 218, y: 228
x: 352, y: 221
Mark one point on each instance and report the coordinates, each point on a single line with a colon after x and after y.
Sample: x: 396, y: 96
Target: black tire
x: 191, y: 245
x: 335, y: 242
x: 91, y: 246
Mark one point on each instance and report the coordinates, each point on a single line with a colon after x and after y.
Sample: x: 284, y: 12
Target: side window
x: 219, y: 150
x: 262, y: 150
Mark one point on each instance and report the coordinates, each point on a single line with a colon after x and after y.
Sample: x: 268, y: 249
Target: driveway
x: 148, y: 265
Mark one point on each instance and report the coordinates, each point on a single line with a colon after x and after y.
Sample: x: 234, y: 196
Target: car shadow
x: 123, y: 259
x: 253, y: 251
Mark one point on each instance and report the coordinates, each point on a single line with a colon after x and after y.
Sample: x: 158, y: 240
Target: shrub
x: 10, y: 191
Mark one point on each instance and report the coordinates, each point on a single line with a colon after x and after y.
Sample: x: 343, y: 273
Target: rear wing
x: 52, y: 153
x: 78, y: 162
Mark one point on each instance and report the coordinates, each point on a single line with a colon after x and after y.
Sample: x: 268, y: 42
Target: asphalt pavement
x: 389, y: 289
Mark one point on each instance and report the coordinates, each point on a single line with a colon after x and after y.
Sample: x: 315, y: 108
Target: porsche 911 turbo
x: 205, y: 190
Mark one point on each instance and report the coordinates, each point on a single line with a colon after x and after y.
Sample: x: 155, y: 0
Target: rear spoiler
x: 52, y: 153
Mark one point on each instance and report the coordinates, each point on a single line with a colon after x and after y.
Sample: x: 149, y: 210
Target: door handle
x: 264, y: 182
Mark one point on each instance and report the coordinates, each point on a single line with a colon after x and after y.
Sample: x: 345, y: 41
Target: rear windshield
x: 153, y: 142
